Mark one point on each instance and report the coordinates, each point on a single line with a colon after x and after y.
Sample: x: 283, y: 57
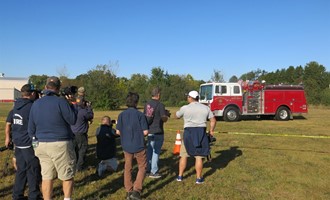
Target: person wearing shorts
x: 195, y: 141
x: 50, y: 119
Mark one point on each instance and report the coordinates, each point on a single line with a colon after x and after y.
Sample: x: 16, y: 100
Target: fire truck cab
x: 233, y: 100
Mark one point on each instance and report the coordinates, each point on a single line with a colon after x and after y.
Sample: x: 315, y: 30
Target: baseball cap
x: 194, y: 94
x: 28, y: 88
x: 55, y: 80
x: 81, y: 90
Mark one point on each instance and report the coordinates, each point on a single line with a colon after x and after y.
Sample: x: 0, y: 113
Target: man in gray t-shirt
x: 195, y: 116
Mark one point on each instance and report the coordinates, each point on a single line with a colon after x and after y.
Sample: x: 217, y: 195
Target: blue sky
x: 182, y: 37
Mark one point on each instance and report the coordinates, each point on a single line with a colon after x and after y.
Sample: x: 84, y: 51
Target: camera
x: 69, y: 91
x: 10, y: 147
x: 81, y: 101
x: 167, y: 113
x: 38, y: 94
x: 211, y: 138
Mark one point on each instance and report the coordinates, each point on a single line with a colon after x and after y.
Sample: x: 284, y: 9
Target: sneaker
x: 128, y: 195
x: 135, y: 195
x: 200, y: 180
x: 179, y: 178
x: 157, y: 175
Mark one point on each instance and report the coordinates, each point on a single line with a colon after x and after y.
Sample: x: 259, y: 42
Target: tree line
x: 108, y: 92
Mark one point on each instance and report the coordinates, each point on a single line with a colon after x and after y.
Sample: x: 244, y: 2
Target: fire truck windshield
x: 206, y: 92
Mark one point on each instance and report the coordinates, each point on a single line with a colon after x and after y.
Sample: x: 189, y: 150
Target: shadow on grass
x: 221, y: 161
x: 111, y: 186
x: 172, y: 164
x: 103, y: 192
x: 6, y: 191
x: 168, y: 167
x: 7, y: 169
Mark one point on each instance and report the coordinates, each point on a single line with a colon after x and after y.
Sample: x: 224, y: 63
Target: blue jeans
x: 154, y: 146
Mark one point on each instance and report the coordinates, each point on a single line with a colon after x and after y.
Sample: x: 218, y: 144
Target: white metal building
x: 10, y: 88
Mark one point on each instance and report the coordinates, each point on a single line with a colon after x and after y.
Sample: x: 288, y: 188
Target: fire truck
x: 233, y: 100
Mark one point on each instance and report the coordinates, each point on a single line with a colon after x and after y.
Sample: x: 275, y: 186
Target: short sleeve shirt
x: 195, y: 114
x: 157, y: 125
x: 10, y: 117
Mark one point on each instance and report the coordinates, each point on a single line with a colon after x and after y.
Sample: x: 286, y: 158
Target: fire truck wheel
x: 283, y: 114
x: 231, y: 114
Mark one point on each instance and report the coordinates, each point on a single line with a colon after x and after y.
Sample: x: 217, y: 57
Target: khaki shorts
x: 183, y: 151
x: 57, y: 159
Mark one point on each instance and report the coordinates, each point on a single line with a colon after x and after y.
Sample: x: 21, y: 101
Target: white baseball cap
x: 194, y: 94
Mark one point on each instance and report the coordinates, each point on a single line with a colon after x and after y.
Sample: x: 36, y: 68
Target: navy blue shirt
x: 131, y: 124
x: 20, y: 120
x: 51, y: 117
x: 10, y: 117
x: 85, y: 114
x: 106, y: 146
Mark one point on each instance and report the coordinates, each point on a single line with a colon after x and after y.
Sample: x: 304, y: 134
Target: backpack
x: 149, y: 112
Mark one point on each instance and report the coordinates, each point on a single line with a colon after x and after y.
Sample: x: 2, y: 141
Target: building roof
x: 14, y: 78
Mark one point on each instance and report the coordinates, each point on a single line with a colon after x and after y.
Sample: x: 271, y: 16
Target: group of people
x: 60, y: 128
x: 133, y: 126
x: 50, y: 138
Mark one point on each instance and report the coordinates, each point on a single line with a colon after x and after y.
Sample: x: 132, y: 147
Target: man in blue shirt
x: 50, y: 120
x: 80, y: 129
x: 28, y: 167
x: 132, y: 127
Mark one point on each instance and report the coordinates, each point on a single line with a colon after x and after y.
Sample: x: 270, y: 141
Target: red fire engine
x: 233, y: 100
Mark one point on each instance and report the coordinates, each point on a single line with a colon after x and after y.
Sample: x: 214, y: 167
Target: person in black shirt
x: 106, y: 147
x: 156, y: 116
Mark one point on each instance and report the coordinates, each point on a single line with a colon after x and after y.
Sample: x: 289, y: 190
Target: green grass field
x: 252, y: 159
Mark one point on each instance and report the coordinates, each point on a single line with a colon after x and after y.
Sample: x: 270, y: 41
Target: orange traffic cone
x: 177, y: 145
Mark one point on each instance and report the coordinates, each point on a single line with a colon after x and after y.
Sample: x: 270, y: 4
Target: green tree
x: 39, y: 81
x: 325, y: 97
x: 298, y: 75
x: 290, y: 75
x: 217, y: 76
x: 157, y: 77
x: 102, y: 88
x: 138, y: 83
x: 315, y: 81
x: 248, y: 76
x: 233, y: 79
